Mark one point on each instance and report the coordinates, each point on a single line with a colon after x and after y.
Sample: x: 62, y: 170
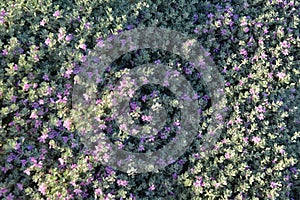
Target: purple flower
x: 29, y: 147
x: 157, y: 62
x: 285, y: 52
x: 151, y: 188
x: 67, y: 124
x: 163, y: 136
x: 285, y: 44
x: 4, y: 52
x: 43, y: 188
x: 20, y: 186
x: 100, y: 43
x: 243, y: 52
x: 263, y: 55
x: 256, y: 139
x: 36, y: 58
x: 87, y: 25
x: 98, y: 191
x: 210, y: 15
x: 46, y: 77
x: 151, y: 138
x: 217, y: 185
x: 205, y: 97
x: 16, y: 67
x: 83, y: 58
x: 195, y: 18
x: 294, y: 170
x: 65, y: 139
x: 280, y: 75
x: 38, y: 123
x: 144, y: 98
x: 196, y: 155
x: 3, y: 191
x: 33, y: 115
x: 3, y: 12
x: 26, y: 86
x: 244, y: 23
x: 61, y: 36
x: 43, y: 138
x: 129, y: 27
x: 260, y: 109
x: 223, y: 32
x: 14, y: 99
x: 238, y: 120
x: 261, y: 117
x: 61, y: 161
x: 17, y: 146
x: 174, y: 175
x: 43, y: 22
x: 227, y: 155
x: 199, y: 182
x: 77, y: 191
x: 1, y: 20
x: 181, y: 162
x: 146, y: 118
x: 177, y: 123
x: 10, y: 196
x: 82, y: 46
x: 122, y: 182
x: 68, y: 73
x: 273, y: 184
x: 56, y: 13
x: 69, y: 37
x: 48, y: 41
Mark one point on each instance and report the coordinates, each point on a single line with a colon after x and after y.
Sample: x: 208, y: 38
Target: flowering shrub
x: 255, y: 46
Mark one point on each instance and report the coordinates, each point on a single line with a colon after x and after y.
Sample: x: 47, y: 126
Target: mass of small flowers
x: 255, y: 46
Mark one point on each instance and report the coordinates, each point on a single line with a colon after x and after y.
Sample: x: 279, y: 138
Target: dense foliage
x: 255, y: 46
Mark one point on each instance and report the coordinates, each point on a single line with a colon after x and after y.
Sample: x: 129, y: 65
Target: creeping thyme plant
x: 255, y: 46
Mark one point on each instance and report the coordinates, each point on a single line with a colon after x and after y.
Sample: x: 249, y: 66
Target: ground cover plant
x: 256, y: 47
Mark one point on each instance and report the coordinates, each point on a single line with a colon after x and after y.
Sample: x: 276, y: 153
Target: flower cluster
x: 255, y: 46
